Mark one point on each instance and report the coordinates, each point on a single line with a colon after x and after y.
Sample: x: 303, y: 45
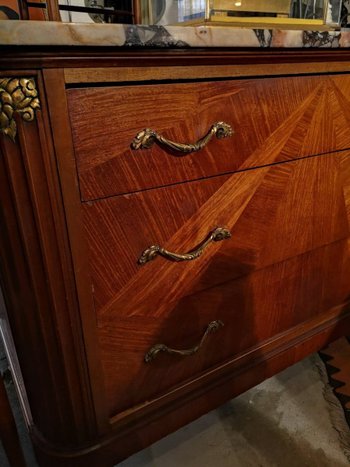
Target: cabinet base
x: 137, y: 429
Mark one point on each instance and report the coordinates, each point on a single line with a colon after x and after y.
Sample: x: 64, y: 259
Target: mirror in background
x: 319, y: 14
x: 97, y: 11
x: 266, y: 14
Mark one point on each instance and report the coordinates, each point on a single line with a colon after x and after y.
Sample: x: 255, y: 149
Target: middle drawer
x: 272, y: 214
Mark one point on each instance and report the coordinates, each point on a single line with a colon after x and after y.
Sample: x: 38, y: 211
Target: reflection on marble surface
x: 320, y: 39
x: 84, y: 34
x: 151, y: 36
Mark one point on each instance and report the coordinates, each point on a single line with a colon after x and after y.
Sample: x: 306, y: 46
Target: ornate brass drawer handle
x: 147, y: 137
x: 154, y: 351
x: 151, y: 252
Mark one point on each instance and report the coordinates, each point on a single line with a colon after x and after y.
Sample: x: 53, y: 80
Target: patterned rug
x: 336, y: 358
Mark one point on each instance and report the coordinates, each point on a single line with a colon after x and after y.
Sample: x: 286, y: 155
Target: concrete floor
x: 284, y: 422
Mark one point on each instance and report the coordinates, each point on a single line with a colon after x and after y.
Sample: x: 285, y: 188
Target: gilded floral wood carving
x: 17, y: 95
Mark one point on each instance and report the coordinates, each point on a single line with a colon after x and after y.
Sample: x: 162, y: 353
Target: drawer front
x: 252, y: 309
x: 273, y: 214
x: 273, y: 119
x: 286, y: 261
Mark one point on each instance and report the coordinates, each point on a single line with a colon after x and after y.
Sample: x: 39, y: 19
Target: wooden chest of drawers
x: 155, y: 275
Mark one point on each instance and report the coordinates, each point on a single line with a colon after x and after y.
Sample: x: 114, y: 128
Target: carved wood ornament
x: 17, y: 95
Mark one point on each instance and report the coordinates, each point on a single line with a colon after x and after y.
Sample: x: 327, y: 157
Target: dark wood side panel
x: 310, y: 114
x: 39, y: 289
x: 66, y: 166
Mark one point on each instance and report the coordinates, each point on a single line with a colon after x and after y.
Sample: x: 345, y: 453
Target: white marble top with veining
x: 86, y: 34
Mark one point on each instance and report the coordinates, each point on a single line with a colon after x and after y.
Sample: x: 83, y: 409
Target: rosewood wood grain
x: 310, y: 114
x: 262, y: 208
x: 253, y: 309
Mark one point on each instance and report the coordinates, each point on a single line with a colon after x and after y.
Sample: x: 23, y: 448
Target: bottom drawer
x: 253, y: 309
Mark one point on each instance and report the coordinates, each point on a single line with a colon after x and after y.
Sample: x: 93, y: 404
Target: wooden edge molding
x: 17, y: 95
x: 39, y: 57
x: 64, y: 153
x: 125, y: 74
x: 131, y: 428
x: 37, y: 274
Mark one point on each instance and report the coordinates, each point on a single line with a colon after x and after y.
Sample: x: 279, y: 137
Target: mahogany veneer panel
x: 289, y: 210
x: 273, y: 214
x: 253, y: 309
x: 78, y: 302
x: 310, y: 113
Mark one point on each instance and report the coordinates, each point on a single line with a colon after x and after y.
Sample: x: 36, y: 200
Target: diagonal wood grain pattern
x: 287, y: 262
x: 78, y: 206
x: 312, y: 110
x: 288, y: 258
x: 254, y: 309
x: 278, y: 205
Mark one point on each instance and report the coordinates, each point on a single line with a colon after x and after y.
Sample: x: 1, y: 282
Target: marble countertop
x: 86, y: 34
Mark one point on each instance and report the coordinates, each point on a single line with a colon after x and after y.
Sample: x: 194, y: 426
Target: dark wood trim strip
x: 21, y: 57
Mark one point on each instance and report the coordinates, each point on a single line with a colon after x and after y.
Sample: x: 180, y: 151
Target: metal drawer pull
x: 154, y: 351
x: 151, y: 252
x: 147, y: 137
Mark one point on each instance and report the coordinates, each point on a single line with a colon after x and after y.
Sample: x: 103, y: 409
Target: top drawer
x: 273, y: 119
